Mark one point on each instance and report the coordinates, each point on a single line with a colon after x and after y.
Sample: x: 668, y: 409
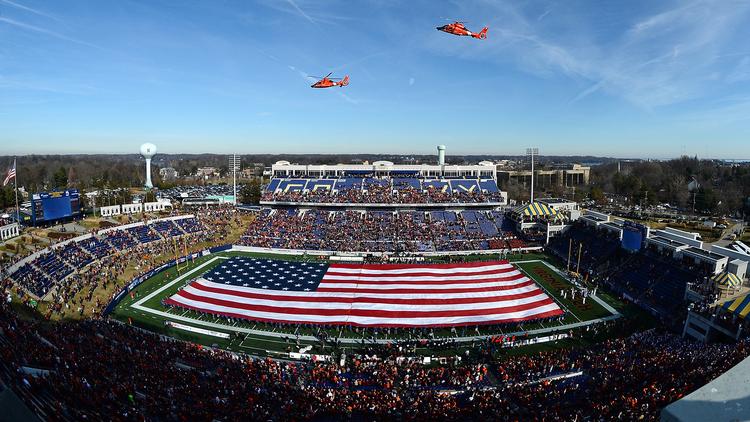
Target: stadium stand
x: 377, y: 231
x: 650, y: 279
x: 55, y: 264
x: 96, y: 247
x: 179, y: 192
x: 143, y: 376
x: 190, y: 225
x: 74, y: 255
x: 369, y: 190
x: 143, y: 234
x: 120, y: 240
x: 32, y: 279
x: 167, y: 228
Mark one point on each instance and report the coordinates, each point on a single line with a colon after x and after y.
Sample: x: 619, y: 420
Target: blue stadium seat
x: 463, y: 185
x: 400, y: 183
x: 439, y: 185
x: 292, y: 185
x: 488, y: 185
x: 349, y: 183
x: 273, y: 185
x: 320, y: 185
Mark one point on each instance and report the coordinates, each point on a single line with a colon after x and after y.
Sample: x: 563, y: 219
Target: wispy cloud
x: 29, y: 9
x: 45, y: 31
x: 314, y: 12
x: 52, y: 86
x: 544, y: 14
x: 302, y: 12
x: 657, y: 59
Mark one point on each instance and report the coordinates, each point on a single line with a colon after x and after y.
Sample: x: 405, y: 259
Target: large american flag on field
x: 367, y: 294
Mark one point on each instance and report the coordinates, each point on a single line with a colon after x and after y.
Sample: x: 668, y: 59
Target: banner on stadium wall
x: 196, y: 329
x: 314, y: 358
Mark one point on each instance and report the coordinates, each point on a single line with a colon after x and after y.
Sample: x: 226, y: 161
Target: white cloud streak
x: 45, y: 31
x: 302, y: 12
x: 659, y: 59
x: 29, y: 9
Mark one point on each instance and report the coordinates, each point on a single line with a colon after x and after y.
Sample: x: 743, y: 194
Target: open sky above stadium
x: 629, y: 79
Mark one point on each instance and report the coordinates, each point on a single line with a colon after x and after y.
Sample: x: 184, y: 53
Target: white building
x: 484, y: 170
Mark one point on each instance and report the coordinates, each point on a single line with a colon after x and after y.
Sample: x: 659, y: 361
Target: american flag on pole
x: 11, y: 174
x: 408, y: 295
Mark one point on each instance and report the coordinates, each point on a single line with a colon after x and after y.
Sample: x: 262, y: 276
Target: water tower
x: 148, y: 151
x: 441, y: 155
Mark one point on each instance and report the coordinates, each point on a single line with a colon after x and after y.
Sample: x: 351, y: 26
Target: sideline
x: 597, y: 299
x: 137, y: 305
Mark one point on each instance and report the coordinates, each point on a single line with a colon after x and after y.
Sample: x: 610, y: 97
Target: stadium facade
x: 483, y: 170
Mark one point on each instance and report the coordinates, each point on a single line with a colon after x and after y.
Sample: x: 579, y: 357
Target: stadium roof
x: 727, y: 279
x: 535, y: 209
x: 704, y: 253
x: 669, y: 242
x: 739, y: 306
x: 727, y: 398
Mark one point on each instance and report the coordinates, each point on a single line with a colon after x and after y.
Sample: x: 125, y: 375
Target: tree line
x: 689, y: 183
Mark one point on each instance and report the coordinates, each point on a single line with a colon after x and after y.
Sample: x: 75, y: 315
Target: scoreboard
x: 52, y: 206
x: 633, y: 236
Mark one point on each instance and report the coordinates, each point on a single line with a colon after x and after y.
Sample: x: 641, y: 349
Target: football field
x: 143, y: 308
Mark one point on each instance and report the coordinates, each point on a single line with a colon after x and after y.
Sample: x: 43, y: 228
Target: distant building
x: 566, y: 175
x: 207, y: 172
x: 384, y: 168
x: 168, y: 173
x: 252, y: 170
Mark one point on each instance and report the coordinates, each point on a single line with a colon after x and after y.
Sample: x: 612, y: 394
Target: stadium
x: 345, y: 273
x: 484, y: 211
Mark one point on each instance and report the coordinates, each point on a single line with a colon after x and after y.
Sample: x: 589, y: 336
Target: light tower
x: 148, y: 151
x: 234, y: 167
x: 531, y: 153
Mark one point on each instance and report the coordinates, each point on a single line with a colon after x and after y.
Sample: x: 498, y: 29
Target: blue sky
x: 616, y: 78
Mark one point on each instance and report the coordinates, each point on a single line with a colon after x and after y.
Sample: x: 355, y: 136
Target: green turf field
x: 145, y: 310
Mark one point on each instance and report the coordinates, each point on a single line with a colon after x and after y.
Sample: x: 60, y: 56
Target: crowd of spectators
x: 105, y: 370
x: 98, y: 261
x: 649, y: 277
x: 386, y: 194
x: 196, y: 191
x: 379, y: 231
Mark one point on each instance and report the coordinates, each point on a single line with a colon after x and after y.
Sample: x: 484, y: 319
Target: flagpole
x: 15, y: 183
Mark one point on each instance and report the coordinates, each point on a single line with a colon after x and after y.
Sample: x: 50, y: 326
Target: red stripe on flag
x: 364, y: 299
x: 423, y: 291
x: 412, y: 266
x: 406, y: 281
x: 418, y: 274
x: 371, y: 313
x: 356, y: 324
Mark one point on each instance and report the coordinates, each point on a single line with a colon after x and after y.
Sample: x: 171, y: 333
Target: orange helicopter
x: 458, y: 28
x: 327, y: 82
